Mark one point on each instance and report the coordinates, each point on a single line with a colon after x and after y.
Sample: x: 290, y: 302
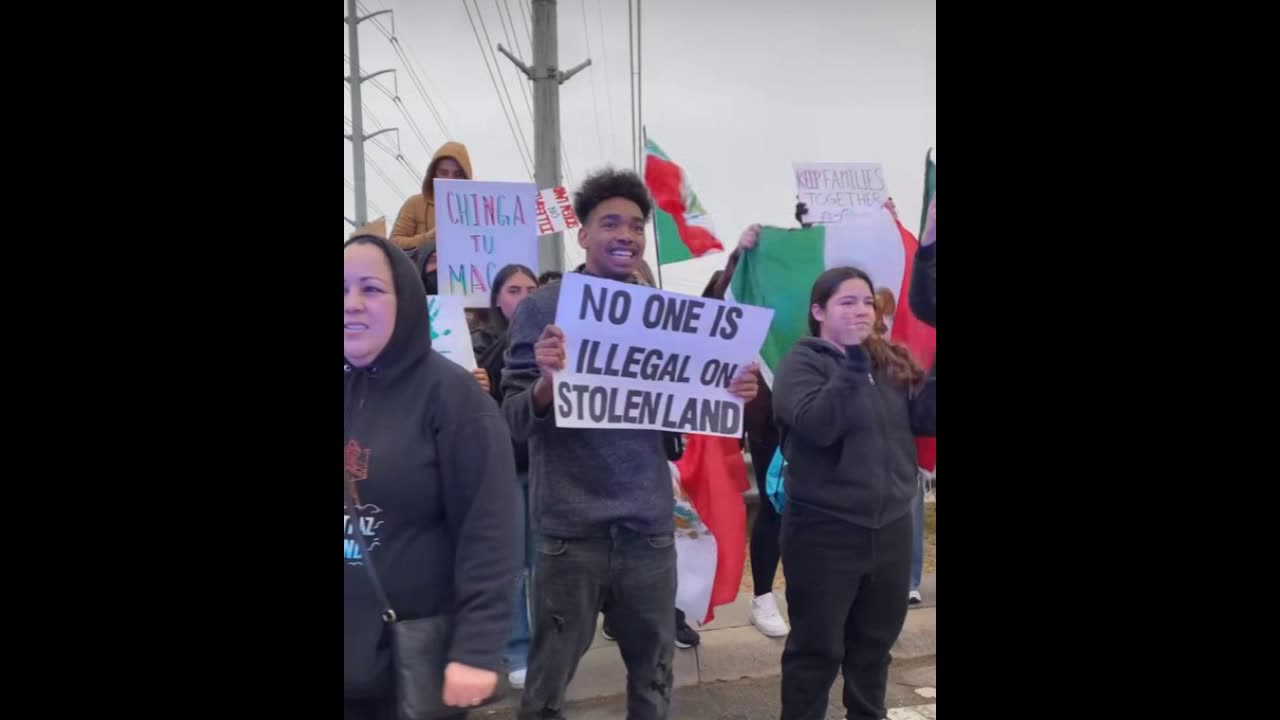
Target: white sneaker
x: 914, y: 598
x: 516, y: 678
x: 766, y: 618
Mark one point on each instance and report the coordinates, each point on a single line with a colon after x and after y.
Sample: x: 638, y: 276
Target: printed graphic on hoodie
x: 355, y: 467
x: 369, y: 527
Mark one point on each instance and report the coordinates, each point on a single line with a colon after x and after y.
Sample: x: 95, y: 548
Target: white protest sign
x: 645, y: 359
x: 835, y: 193
x: 480, y: 228
x: 555, y: 212
x: 450, y: 335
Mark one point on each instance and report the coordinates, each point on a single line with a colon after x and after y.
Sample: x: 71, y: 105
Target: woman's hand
x: 465, y: 686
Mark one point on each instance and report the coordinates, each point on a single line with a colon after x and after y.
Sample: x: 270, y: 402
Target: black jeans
x: 634, y: 576
x: 768, y: 525
x: 847, y: 598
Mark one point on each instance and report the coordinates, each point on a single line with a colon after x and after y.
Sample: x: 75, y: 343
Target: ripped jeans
x: 634, y: 576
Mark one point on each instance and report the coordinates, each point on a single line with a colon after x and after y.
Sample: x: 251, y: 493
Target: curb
x: 731, y: 649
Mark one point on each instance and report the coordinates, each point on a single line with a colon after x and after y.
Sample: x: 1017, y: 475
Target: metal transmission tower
x: 547, y: 80
x: 357, y: 136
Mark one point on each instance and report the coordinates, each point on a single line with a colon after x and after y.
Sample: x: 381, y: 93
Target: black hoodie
x: 436, y: 488
x: 848, y: 435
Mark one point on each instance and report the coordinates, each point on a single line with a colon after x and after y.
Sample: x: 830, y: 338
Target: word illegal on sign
x: 677, y: 379
x: 555, y: 212
x: 480, y: 228
x: 836, y: 192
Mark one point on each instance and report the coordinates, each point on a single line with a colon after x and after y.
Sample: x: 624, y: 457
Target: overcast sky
x: 734, y: 91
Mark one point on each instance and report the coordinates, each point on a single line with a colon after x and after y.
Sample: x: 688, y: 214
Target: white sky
x: 734, y: 91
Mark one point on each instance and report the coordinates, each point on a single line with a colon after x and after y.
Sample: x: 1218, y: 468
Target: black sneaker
x: 686, y: 637
x: 608, y: 635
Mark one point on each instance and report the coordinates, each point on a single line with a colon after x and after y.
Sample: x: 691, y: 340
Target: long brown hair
x: 895, y: 359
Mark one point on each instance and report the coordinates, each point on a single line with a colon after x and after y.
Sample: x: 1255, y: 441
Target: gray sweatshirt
x: 581, y: 481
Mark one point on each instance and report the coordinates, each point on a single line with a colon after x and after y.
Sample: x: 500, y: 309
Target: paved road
x: 911, y: 695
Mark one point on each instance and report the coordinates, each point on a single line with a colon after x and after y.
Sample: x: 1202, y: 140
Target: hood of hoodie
x: 455, y: 150
x: 411, y: 337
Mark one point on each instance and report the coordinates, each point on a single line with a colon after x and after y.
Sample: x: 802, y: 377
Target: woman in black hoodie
x: 848, y: 405
x: 512, y: 284
x: 428, y: 465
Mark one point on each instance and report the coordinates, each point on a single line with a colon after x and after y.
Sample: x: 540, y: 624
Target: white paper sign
x: 450, y: 335
x: 480, y: 228
x: 645, y: 359
x: 837, y: 192
x: 555, y: 212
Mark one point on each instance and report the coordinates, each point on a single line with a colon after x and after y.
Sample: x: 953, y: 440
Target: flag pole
x: 657, y: 245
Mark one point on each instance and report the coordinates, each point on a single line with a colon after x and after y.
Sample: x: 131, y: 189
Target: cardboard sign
x: 645, y: 359
x: 482, y: 227
x: 555, y: 212
x: 450, y: 335
x: 836, y: 193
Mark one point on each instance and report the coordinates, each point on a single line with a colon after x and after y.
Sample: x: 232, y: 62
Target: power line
x: 493, y: 80
x: 393, y: 152
x: 410, y: 68
x: 377, y: 168
x: 516, y: 31
x: 372, y: 206
x: 503, y: 79
x: 608, y: 86
x: 522, y: 84
x: 631, y: 58
x: 527, y: 32
x: 595, y: 96
x: 404, y: 111
x: 398, y: 152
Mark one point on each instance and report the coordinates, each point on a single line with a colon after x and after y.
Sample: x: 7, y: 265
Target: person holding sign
x: 511, y: 285
x: 416, y: 223
x: 428, y: 501
x: 848, y: 405
x: 602, y: 501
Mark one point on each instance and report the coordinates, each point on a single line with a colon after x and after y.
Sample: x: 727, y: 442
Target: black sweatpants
x: 847, y: 599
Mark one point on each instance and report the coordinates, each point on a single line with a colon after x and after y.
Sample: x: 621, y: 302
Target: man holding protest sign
x: 601, y: 497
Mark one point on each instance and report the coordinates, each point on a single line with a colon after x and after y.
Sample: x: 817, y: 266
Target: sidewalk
x: 733, y: 649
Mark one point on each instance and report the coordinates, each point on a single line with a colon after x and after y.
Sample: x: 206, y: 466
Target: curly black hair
x: 607, y: 184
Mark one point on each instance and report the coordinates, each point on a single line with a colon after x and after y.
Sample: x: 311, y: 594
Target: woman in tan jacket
x: 416, y: 223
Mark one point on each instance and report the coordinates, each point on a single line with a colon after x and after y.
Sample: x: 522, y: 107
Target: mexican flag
x: 779, y: 272
x: 682, y: 225
x: 930, y: 184
x: 921, y: 339
x: 713, y: 475
x: 910, y: 330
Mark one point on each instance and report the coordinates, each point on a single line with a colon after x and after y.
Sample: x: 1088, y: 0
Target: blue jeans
x: 517, y: 651
x: 917, y: 537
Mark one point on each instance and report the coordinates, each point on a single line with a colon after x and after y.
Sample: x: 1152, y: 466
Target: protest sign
x: 480, y: 228
x: 645, y: 359
x: 836, y: 193
x: 555, y: 212
x: 450, y: 335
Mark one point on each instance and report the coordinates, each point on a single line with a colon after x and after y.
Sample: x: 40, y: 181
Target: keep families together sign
x: 645, y: 359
